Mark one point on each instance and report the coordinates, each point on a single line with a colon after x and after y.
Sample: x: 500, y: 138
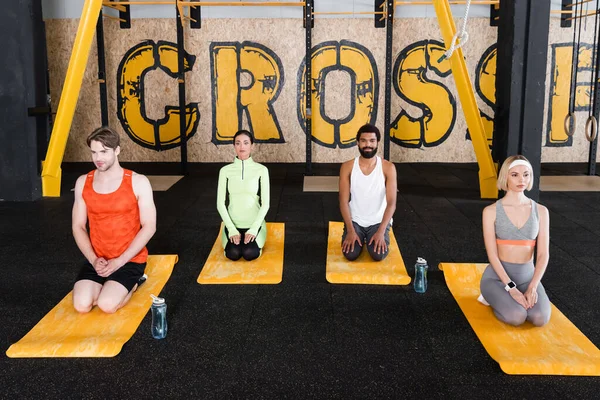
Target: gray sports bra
x: 507, y: 233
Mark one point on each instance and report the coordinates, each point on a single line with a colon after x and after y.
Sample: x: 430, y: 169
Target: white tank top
x: 367, y: 195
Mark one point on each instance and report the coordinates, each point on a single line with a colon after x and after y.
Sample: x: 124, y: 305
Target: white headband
x: 520, y: 162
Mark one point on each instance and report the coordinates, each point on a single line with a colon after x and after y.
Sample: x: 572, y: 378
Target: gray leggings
x: 505, y: 307
x: 365, y: 235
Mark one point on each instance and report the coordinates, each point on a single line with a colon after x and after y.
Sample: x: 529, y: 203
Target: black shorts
x: 128, y: 275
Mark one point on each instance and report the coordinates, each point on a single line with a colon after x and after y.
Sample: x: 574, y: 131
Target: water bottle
x: 421, y: 275
x: 159, y: 317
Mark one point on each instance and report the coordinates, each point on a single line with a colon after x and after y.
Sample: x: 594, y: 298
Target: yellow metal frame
x: 466, y: 94
x: 51, y: 172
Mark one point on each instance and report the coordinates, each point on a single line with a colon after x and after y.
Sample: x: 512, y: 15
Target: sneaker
x: 142, y: 280
x: 482, y: 300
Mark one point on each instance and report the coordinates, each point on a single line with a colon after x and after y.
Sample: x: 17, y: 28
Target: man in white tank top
x: 367, y: 198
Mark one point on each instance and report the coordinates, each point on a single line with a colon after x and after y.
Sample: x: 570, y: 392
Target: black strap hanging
x: 570, y: 121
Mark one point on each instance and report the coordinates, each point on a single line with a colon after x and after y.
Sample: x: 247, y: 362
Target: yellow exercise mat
x: 363, y: 270
x: 558, y: 348
x: 266, y: 269
x: 63, y: 332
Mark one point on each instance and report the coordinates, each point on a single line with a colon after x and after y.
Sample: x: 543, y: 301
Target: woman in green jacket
x: 247, y: 184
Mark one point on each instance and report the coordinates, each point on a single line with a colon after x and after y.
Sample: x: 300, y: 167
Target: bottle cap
x: 421, y: 260
x: 157, y: 300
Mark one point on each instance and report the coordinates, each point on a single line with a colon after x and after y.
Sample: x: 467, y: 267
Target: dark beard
x: 370, y: 154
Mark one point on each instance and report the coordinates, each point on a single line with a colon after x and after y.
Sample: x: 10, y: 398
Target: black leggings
x: 249, y: 251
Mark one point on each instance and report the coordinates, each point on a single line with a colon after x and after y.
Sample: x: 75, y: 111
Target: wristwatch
x: 510, y: 285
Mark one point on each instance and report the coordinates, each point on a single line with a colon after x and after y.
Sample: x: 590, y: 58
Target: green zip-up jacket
x: 247, y: 209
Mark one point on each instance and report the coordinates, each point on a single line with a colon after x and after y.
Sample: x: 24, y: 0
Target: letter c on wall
x: 160, y: 134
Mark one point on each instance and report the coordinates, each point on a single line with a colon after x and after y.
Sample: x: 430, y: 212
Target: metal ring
x: 591, y: 137
x: 570, y: 132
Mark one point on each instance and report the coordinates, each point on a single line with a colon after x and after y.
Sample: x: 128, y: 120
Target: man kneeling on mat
x: 512, y: 227
x: 247, y: 184
x: 367, y: 198
x: 122, y: 217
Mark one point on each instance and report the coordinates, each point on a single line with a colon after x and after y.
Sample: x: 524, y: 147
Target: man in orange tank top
x: 118, y: 205
x: 367, y: 198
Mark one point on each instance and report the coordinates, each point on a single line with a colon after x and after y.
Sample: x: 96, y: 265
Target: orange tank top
x: 114, y: 218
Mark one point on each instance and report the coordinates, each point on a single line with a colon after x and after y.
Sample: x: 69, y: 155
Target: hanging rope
x: 570, y: 121
x: 462, y: 35
x: 592, y: 122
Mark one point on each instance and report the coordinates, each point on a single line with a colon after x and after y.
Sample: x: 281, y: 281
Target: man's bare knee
x: 82, y: 308
x: 85, y: 296
x: 82, y: 304
x: 112, y: 297
x: 109, y: 306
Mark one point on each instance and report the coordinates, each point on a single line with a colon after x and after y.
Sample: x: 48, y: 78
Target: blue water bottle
x: 421, y: 275
x: 159, y: 317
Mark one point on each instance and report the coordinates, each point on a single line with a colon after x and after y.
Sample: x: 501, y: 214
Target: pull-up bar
x: 348, y: 12
x: 382, y: 13
x: 119, y: 4
x: 115, y: 18
x: 452, y: 2
x: 244, y: 3
x: 582, y: 16
x: 116, y: 4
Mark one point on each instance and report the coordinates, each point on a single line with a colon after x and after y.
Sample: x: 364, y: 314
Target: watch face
x: 511, y: 285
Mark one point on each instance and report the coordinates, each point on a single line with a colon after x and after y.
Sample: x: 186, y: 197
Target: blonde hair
x: 502, y: 182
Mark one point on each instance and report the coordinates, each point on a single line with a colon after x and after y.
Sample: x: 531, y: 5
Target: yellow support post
x: 466, y: 94
x: 51, y: 172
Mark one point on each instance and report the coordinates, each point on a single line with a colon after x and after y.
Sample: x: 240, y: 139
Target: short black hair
x: 368, y: 128
x: 244, y: 132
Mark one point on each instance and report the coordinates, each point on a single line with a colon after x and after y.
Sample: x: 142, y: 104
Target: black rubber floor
x: 303, y: 338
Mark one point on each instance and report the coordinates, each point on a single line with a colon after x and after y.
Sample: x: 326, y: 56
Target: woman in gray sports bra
x: 511, y: 284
